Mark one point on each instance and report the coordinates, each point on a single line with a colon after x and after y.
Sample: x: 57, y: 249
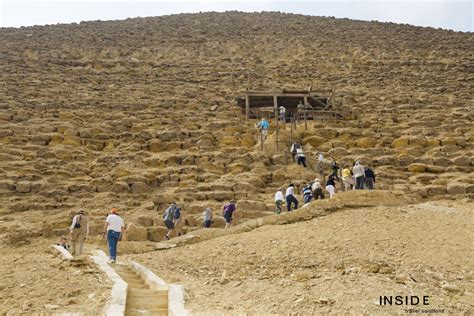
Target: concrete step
x: 138, y: 286
x: 131, y: 277
x: 133, y: 300
x: 133, y: 294
x: 147, y: 304
x: 146, y: 312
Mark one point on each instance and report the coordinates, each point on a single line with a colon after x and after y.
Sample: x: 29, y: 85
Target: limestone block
x: 417, y: 167
x: 140, y: 187
x: 169, y: 146
x: 204, y: 143
x: 120, y: 187
x: 5, y: 116
x: 442, y: 161
x: 135, y: 232
x: 432, y: 143
x: 366, y: 142
x: 435, y: 169
x: 72, y: 140
x: 462, y: 161
x: 387, y: 161
x: 23, y: 187
x: 406, y: 160
x: 144, y: 220
x: 449, y: 141
x: 417, y: 141
x: 156, y: 233
x: 338, y: 152
x: 400, y: 142
x: 278, y: 176
x: 249, y: 205
x: 6, y: 133
x: 435, y: 190
x: 314, y: 141
x: 248, y: 140
x: 163, y: 199
x: 456, y: 188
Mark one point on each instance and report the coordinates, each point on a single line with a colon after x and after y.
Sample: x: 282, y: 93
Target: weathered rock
x: 314, y: 141
x: 140, y: 187
x: 23, y: 187
x: 456, y: 188
x: 366, y: 142
x: 435, y: 190
x: 400, y: 142
x: 156, y: 233
x: 120, y: 187
x: 144, y: 220
x: 135, y: 232
x: 462, y: 161
x: 417, y: 167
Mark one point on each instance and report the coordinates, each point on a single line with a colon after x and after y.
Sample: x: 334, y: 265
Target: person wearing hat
x: 79, y: 230
x: 228, y: 210
x: 114, y: 227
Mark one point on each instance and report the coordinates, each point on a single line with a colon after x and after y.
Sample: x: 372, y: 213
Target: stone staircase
x: 141, y: 299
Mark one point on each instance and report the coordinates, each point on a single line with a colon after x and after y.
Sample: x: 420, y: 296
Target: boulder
x: 314, y: 141
x: 23, y: 187
x: 156, y: 233
x: 435, y: 169
x: 366, y: 142
x: 249, y: 205
x: 416, y: 167
x: 400, y: 142
x: 456, y: 188
x: 120, y: 187
x: 135, y: 232
x: 435, y: 190
x: 442, y: 161
x: 462, y: 161
x: 163, y: 199
x: 144, y: 220
x: 72, y: 140
x: 140, y: 187
x: 154, y: 146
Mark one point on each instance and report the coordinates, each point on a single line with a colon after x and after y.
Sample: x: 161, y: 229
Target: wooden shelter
x: 259, y: 104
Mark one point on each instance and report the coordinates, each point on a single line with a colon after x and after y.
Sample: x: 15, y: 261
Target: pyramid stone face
x: 140, y: 113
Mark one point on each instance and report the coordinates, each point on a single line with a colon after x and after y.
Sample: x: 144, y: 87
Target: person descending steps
x: 263, y: 125
x: 114, y: 228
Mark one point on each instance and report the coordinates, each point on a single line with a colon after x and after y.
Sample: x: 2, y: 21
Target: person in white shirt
x: 317, y: 190
x: 278, y: 201
x: 78, y: 232
x: 114, y: 226
x: 359, y: 175
x: 301, y: 157
x: 290, y: 197
x: 282, y: 113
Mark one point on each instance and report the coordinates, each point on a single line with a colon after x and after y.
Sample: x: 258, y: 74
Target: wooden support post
x: 304, y: 113
x: 247, y: 106
x: 275, y: 108
x: 261, y: 139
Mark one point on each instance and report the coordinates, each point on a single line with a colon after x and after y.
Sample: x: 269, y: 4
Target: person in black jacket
x: 369, y: 180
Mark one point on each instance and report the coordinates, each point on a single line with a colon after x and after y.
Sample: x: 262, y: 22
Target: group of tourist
x: 356, y: 178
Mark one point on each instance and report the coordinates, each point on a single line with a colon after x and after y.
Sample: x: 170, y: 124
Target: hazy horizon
x: 454, y: 15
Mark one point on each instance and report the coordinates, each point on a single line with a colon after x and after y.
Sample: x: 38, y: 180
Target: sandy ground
x: 37, y: 281
x: 340, y: 263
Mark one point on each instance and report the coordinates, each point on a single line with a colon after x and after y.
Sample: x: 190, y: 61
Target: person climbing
x: 176, y: 220
x: 294, y: 147
x: 317, y: 190
x: 359, y: 175
x: 347, y: 178
x: 369, y: 180
x: 63, y: 243
x: 290, y: 197
x: 282, y: 113
x: 263, y: 125
x: 301, y: 157
x: 335, y: 168
x: 320, y: 166
x: 278, y: 201
x: 228, y: 211
x: 208, y: 216
x: 168, y: 219
x: 307, y: 193
x: 78, y: 232
x: 331, y: 185
x: 114, y: 228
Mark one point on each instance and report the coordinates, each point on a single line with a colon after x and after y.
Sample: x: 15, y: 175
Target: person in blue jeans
x: 114, y: 227
x: 290, y: 197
